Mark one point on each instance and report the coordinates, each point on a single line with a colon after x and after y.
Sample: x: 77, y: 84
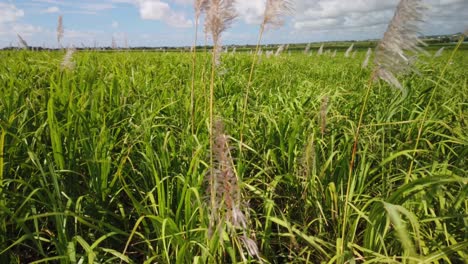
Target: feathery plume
x: 126, y: 41
x: 348, y: 51
x: 223, y: 183
x: 439, y: 52
x: 225, y: 193
x: 259, y: 57
x: 219, y: 16
x: 67, y: 63
x: 323, y: 114
x: 308, y: 164
x: 320, y: 50
x: 354, y: 54
x: 334, y: 54
x: 200, y: 7
x: 279, y: 50
x: 23, y: 43
x: 217, y: 50
x: 114, y: 43
x: 400, y: 37
x: 307, y: 48
x: 274, y: 12
x: 60, y: 31
x: 366, y: 60
x: 251, y: 246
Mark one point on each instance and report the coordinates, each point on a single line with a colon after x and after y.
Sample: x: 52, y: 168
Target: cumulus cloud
x: 159, y: 10
x: 50, y: 10
x: 251, y: 12
x: 55, y: 2
x: 184, y: 2
x: 9, y: 13
x: 10, y: 25
x: 27, y: 29
x: 95, y: 7
x: 369, y: 18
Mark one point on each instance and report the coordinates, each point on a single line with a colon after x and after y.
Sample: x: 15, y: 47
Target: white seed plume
x: 439, y: 52
x: 23, y: 43
x: 226, y: 203
x: 251, y: 246
x: 275, y: 10
x: 114, y: 43
x: 60, y: 30
x: 366, y: 60
x: 279, y: 50
x: 219, y: 16
x: 307, y: 48
x: 67, y: 62
x: 200, y: 7
x: 217, y: 50
x: 126, y: 41
x: 320, y: 50
x: 348, y: 51
x: 391, y: 55
x: 323, y: 114
x: 334, y: 54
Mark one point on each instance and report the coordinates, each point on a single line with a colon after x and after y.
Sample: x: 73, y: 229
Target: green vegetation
x: 98, y: 164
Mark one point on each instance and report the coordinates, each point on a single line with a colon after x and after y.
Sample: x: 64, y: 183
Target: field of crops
x: 100, y: 163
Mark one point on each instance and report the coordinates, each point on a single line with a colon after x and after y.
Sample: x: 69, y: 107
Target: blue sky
x: 171, y: 22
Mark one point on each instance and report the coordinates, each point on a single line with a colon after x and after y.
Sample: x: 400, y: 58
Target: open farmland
x: 100, y: 163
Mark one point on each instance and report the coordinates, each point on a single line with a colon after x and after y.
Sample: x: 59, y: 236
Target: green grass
x: 100, y: 165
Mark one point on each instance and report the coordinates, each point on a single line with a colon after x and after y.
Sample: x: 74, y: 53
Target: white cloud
x: 26, y: 29
x: 159, y: 10
x: 55, y: 2
x: 369, y: 18
x: 250, y: 11
x: 9, y: 13
x: 123, y: 1
x: 184, y: 2
x: 50, y: 10
x: 10, y: 25
x: 95, y: 7
x: 153, y: 10
x: 115, y: 24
